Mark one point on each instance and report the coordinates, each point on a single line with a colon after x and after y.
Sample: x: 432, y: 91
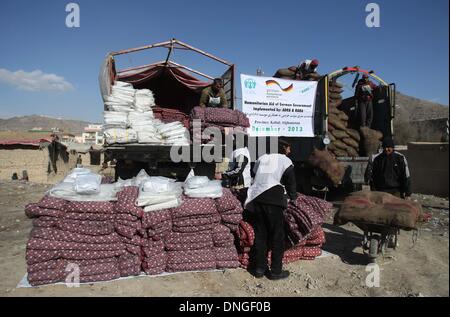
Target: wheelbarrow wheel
x: 373, y: 248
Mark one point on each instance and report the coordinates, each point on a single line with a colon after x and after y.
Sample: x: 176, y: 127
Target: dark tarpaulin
x: 172, y: 87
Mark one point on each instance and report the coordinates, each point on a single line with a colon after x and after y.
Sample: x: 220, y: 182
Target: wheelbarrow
x: 377, y: 239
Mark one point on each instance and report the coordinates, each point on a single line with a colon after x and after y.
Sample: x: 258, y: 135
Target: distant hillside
x: 414, y: 109
x: 419, y: 120
x: 34, y: 121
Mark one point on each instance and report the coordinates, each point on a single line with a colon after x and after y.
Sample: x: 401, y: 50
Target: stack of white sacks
x: 129, y: 119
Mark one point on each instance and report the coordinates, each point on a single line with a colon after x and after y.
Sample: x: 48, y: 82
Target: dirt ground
x: 420, y: 269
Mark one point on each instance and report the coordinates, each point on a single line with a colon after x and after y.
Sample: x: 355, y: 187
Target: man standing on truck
x: 306, y: 70
x: 364, y: 96
x: 388, y: 171
x: 214, y: 95
x: 268, y: 196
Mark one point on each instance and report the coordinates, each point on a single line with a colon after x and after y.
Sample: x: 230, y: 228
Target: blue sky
x: 60, y: 65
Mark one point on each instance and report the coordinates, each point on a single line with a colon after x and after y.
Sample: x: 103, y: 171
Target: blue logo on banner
x: 250, y: 83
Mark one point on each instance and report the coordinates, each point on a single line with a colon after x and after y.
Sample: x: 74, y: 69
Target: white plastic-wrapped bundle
x: 136, y: 117
x: 83, y: 185
x: 196, y: 182
x: 149, y: 137
x: 157, y: 193
x: 123, y: 84
x: 213, y: 189
x: 120, y: 135
x: 144, y: 100
x: 87, y: 184
x: 174, y: 133
x: 115, y: 118
x: 159, y: 184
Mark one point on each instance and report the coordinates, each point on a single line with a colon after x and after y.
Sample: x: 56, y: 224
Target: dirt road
x: 412, y: 270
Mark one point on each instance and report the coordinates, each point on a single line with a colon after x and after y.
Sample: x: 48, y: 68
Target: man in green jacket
x: 214, y: 95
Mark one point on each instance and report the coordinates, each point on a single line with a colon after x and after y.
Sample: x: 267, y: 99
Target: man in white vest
x: 274, y: 185
x: 239, y: 171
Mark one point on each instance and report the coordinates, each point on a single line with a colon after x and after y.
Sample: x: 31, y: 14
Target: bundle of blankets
x: 197, y: 235
x: 347, y: 142
x: 105, y: 240
x: 200, y: 238
x: 219, y: 119
x: 304, y: 238
x: 71, y: 235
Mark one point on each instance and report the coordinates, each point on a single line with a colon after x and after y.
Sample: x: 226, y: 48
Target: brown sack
x: 379, y: 208
x: 331, y: 137
x: 352, y: 152
x: 334, y: 103
x: 328, y: 164
x: 336, y: 122
x: 351, y: 142
x: 331, y: 147
x: 340, y: 145
x: 336, y: 90
x: 371, y: 140
x: 331, y: 128
x: 354, y: 135
x: 343, y: 116
x: 335, y: 96
x: 340, y: 153
x: 334, y: 110
x: 336, y: 84
x: 339, y: 134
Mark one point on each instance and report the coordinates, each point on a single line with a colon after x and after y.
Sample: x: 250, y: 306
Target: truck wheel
x: 373, y: 249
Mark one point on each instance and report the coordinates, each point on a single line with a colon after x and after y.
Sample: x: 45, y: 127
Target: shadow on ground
x: 345, y: 244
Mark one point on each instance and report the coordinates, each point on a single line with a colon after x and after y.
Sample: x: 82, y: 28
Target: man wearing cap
x: 214, y: 95
x: 364, y: 96
x: 306, y: 70
x: 388, y: 171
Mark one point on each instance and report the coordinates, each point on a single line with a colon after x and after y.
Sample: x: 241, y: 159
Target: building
x: 40, y: 154
x: 67, y: 137
x: 93, y: 134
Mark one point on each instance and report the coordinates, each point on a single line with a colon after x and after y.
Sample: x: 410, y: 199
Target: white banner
x: 279, y: 107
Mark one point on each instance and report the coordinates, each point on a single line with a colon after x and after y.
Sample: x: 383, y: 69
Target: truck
x: 175, y: 86
x: 178, y: 86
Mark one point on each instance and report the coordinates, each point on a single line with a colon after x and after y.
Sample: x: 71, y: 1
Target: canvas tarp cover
x: 172, y: 87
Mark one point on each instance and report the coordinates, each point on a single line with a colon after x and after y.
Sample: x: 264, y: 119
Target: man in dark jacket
x: 364, y: 96
x: 273, y: 186
x: 388, y: 172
